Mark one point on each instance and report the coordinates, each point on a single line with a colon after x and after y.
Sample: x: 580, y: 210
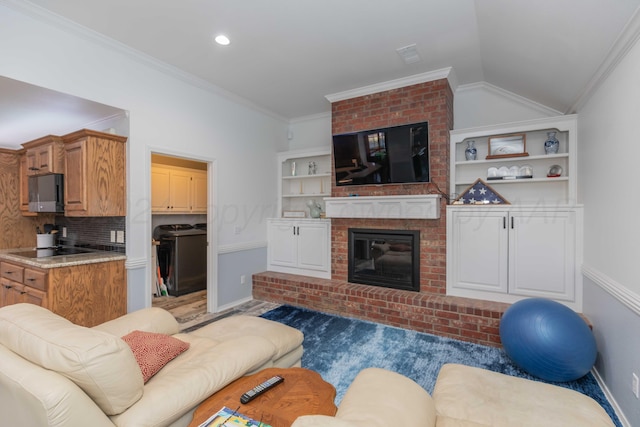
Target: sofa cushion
x: 284, y: 338
x: 198, y: 373
x: 492, y: 399
x: 101, y: 364
x: 152, y: 351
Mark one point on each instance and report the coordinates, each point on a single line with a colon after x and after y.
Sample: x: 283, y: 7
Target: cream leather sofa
x: 55, y: 373
x: 463, y: 397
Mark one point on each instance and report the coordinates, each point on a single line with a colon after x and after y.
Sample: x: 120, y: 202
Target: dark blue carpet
x: 338, y: 348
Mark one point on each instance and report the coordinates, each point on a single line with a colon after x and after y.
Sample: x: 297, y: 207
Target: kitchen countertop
x: 61, y: 260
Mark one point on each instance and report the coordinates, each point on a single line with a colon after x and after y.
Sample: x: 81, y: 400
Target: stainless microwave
x: 46, y: 193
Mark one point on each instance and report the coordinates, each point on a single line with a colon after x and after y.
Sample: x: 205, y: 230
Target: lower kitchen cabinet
x: 300, y: 246
x: 506, y: 254
x: 86, y: 294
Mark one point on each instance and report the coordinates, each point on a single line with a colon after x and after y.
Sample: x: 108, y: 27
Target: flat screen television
x: 398, y: 154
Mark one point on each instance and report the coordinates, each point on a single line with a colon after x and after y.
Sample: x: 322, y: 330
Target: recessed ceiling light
x: 222, y: 40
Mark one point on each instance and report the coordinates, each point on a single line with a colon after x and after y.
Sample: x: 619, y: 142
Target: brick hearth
x: 461, y: 318
x: 429, y: 310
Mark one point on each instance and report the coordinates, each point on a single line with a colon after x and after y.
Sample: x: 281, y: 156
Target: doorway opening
x: 180, y: 234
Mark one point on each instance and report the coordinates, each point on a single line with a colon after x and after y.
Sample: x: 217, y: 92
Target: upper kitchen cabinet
x: 95, y: 174
x: 44, y: 155
x: 40, y: 156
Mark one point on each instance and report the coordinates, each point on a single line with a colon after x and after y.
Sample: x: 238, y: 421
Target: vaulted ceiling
x: 285, y: 56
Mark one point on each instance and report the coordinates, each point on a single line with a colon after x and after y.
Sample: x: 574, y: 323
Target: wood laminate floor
x: 191, y: 309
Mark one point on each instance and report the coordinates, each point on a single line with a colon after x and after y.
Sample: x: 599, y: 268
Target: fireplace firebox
x: 388, y: 258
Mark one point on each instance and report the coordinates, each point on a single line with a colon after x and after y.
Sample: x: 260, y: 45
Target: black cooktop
x: 49, y: 252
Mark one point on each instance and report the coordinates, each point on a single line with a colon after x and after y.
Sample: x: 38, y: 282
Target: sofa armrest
x: 378, y: 397
x: 151, y: 319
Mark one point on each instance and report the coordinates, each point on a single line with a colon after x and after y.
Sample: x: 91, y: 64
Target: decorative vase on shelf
x: 552, y: 144
x: 314, y: 209
x: 471, y: 153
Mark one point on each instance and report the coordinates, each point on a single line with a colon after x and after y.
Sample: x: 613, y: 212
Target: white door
x: 282, y: 248
x: 313, y: 241
x: 480, y: 250
x: 542, y: 254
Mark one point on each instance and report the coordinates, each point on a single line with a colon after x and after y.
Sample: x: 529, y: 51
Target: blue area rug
x: 338, y: 348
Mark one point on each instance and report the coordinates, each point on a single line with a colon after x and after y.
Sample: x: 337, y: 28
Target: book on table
x: 227, y: 417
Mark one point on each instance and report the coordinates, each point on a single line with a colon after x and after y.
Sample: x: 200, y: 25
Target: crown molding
x: 621, y: 47
x: 443, y: 73
x: 36, y: 12
x: 511, y: 96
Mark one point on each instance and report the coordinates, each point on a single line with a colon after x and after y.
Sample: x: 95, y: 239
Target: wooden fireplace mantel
x: 425, y: 206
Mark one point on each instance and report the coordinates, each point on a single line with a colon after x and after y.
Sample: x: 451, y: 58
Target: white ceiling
x: 286, y: 55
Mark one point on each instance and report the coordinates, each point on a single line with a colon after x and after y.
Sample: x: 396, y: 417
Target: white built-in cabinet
x: 178, y: 190
x: 297, y: 243
x: 530, y: 247
x: 300, y: 246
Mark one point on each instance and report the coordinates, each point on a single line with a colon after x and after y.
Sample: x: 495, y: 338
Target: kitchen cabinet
x: 178, y: 190
x: 40, y: 156
x: 24, y: 185
x: 45, y: 155
x: 299, y: 246
x: 95, y: 174
x: 86, y: 294
x: 507, y: 253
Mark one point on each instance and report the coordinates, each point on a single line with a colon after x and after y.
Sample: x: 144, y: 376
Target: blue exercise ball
x: 548, y: 340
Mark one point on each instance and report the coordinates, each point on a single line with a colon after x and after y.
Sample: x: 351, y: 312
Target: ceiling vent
x: 409, y: 54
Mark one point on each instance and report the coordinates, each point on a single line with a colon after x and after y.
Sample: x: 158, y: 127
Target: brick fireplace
x: 428, y: 310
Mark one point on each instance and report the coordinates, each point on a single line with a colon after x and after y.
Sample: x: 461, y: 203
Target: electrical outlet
x: 113, y: 236
x: 237, y: 229
x: 243, y: 280
x: 120, y: 236
x: 635, y: 385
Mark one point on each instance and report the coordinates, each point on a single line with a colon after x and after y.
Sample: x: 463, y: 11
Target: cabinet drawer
x: 35, y: 279
x: 11, y: 271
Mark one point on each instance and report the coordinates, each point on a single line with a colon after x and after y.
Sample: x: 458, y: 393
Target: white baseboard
x: 612, y: 401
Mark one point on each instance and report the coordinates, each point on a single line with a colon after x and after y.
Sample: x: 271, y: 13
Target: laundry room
x: 179, y: 226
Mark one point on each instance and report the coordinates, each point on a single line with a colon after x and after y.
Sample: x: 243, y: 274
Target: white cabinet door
x: 541, y: 254
x: 479, y: 250
x: 282, y: 244
x: 199, y: 192
x: 180, y: 190
x: 313, y: 240
x: 160, y: 194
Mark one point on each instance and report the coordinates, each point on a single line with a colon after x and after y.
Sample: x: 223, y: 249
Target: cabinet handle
x: 43, y: 166
x: 8, y: 286
x: 504, y: 222
x: 31, y: 280
x: 512, y: 223
x: 294, y: 230
x: 9, y: 272
x: 298, y: 230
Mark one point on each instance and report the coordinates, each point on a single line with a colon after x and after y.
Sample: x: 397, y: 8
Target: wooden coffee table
x: 303, y: 392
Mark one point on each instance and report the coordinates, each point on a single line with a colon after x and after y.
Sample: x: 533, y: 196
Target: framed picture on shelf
x: 514, y: 145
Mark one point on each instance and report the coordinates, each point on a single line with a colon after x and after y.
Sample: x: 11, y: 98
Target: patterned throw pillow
x: 152, y: 351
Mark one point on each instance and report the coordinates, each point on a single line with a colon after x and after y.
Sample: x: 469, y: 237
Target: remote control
x: 261, y: 388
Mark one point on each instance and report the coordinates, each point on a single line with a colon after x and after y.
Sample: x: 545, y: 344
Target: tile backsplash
x: 93, y: 232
